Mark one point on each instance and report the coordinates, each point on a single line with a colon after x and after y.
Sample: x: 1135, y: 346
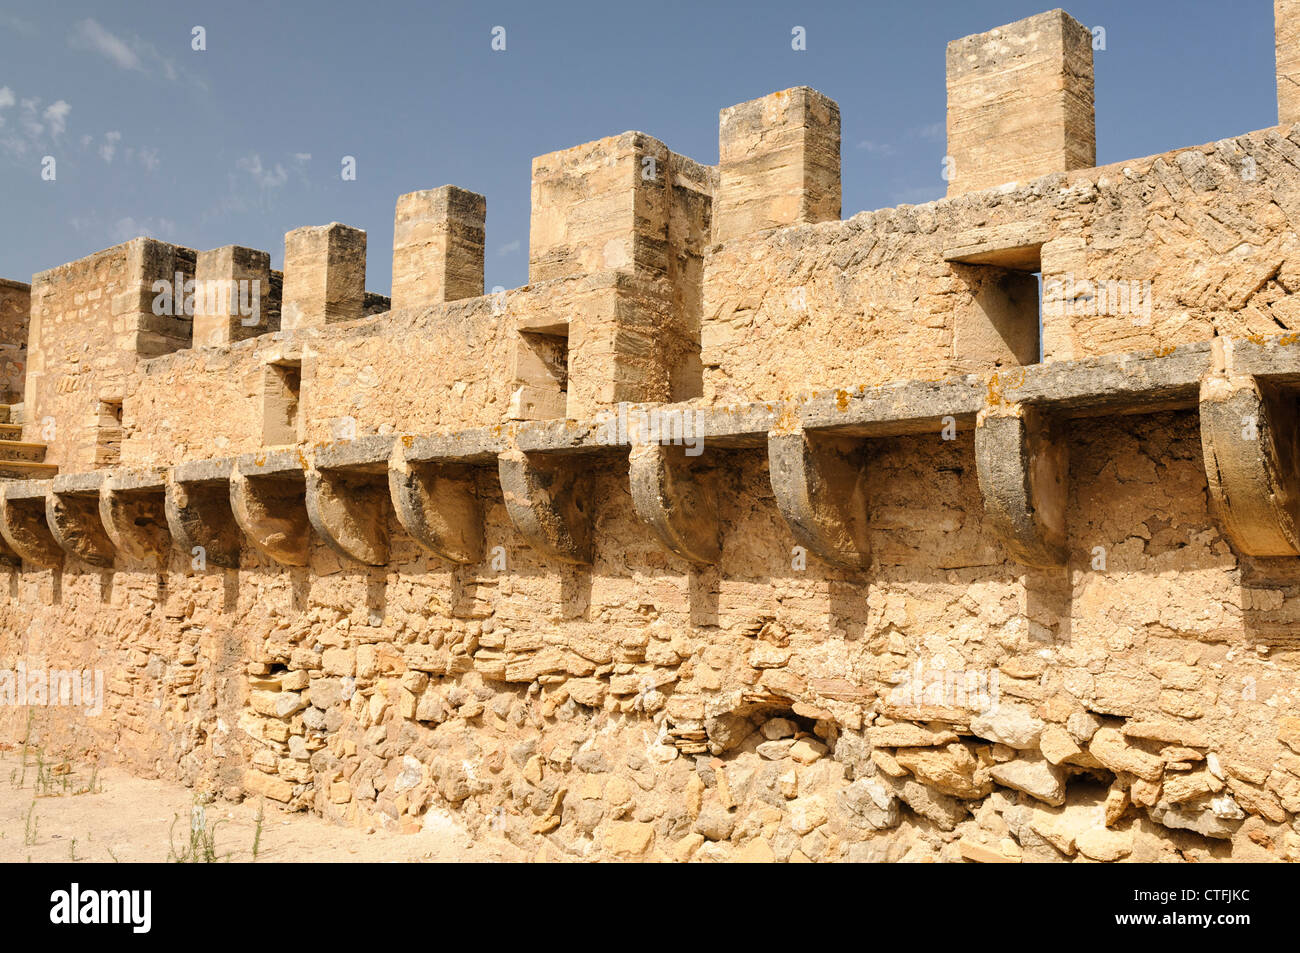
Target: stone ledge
x: 79, y: 484
x: 1015, y: 246
x: 273, y: 479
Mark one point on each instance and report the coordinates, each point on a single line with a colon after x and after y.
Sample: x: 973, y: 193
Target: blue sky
x: 241, y: 142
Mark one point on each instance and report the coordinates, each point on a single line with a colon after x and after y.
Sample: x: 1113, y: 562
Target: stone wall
x: 91, y: 321
x: 749, y: 711
x: 741, y: 533
x: 1142, y: 255
x: 15, y: 306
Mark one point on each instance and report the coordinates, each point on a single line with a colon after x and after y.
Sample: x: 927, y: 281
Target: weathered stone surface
x: 1210, y: 817
x: 906, y: 735
x: 272, y: 512
x: 438, y: 246
x: 1170, y: 732
x: 201, y: 522
x: 135, y: 522
x: 978, y: 853
x: 1251, y: 455
x: 265, y: 785
x: 235, y: 298
x: 1020, y: 102
x: 778, y: 163
x: 820, y: 485
x: 943, y: 811
x: 951, y: 770
x: 75, y: 523
x: 1057, y: 745
x: 630, y: 840
x: 1023, y: 463
x: 932, y: 685
x: 438, y: 506
x: 548, y: 500
x: 23, y: 526
x: 678, y: 503
x: 1108, y: 747
x: 869, y: 803
x: 324, y: 275
x: 349, y: 512
x: 1037, y: 777
x: 1009, y: 725
x: 1286, y: 17
x: 1098, y: 843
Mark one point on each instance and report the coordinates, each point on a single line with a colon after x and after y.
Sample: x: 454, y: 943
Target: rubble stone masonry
x: 742, y: 532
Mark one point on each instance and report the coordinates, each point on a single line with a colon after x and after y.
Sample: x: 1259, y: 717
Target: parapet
x: 1020, y: 102
x: 324, y: 276
x: 630, y: 218
x: 1286, y: 22
x: 778, y: 163
x: 656, y: 278
x: 600, y: 206
x: 15, y: 309
x: 237, y: 296
x: 120, y: 305
x: 438, y: 247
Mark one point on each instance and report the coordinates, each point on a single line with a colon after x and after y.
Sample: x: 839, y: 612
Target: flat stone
x: 1037, y: 777
x: 980, y: 854
x: 807, y: 750
x: 1010, y: 726
x: 1099, y: 843
x: 1058, y: 745
x: 908, y: 735
x: 1108, y: 747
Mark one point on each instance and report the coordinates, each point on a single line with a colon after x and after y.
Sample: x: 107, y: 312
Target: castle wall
x: 460, y: 697
x: 920, y: 595
x: 15, y: 308
x: 1148, y: 254
x: 91, y: 321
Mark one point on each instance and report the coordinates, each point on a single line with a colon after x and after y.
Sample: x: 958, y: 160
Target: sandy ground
x: 127, y: 819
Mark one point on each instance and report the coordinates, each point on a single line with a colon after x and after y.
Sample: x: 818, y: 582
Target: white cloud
x: 102, y: 230
x: 265, y: 178
x: 89, y: 34
x: 876, y: 148
x: 933, y: 131
x: 127, y: 51
x: 109, y: 147
x: 6, y: 97
x: 148, y: 158
x: 56, y: 115
x: 509, y: 248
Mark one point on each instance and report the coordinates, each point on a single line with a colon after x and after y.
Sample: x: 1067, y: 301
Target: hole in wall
x: 108, y: 433
x: 541, y: 386
x: 1001, y: 323
x: 281, y: 393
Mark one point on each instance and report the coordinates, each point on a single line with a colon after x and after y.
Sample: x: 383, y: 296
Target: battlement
x: 729, y: 471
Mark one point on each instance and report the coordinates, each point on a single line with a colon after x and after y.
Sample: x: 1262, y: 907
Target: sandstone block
x: 266, y: 785
x: 1020, y: 102
x: 438, y: 239
x: 778, y: 163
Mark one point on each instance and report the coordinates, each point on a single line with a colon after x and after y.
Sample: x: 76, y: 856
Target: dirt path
x: 125, y: 818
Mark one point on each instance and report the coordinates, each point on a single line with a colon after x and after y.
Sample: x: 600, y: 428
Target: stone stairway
x: 20, y: 460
